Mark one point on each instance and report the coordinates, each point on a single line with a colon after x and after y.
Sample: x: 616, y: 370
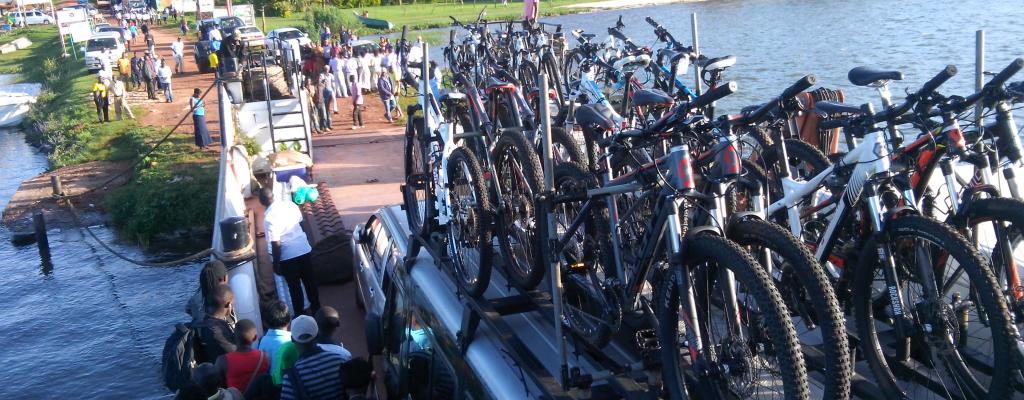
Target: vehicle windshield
x: 231, y: 23
x: 287, y: 35
x: 98, y: 44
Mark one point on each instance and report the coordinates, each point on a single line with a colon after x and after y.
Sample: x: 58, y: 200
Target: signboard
x: 246, y: 12
x: 67, y: 17
x: 80, y: 31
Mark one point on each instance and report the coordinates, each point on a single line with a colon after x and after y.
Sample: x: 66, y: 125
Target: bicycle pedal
x: 647, y: 340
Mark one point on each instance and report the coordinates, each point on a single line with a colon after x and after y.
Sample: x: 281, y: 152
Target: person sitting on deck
x: 242, y: 366
x: 305, y: 380
x: 289, y: 249
x: 328, y: 321
x: 215, y: 334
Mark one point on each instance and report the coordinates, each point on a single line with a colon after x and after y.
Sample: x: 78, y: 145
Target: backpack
x: 179, y: 356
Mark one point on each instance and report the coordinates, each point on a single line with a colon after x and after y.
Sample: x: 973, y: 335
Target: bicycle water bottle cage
x: 869, y: 76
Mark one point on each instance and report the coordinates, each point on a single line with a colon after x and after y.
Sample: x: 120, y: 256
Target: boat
x: 373, y: 22
x: 16, y: 100
x: 273, y: 113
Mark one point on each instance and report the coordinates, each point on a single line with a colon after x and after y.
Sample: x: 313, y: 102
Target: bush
x: 334, y: 17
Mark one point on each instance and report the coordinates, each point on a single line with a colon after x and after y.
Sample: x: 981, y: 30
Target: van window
x: 381, y: 245
x: 97, y: 44
x: 426, y: 365
x: 395, y: 257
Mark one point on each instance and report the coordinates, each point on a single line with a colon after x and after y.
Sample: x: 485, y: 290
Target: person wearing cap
x: 328, y: 321
x: 289, y: 249
x: 306, y: 379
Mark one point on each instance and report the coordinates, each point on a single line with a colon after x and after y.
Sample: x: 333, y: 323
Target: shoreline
x: 619, y: 4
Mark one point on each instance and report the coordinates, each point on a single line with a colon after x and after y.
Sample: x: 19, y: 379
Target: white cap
x: 304, y: 329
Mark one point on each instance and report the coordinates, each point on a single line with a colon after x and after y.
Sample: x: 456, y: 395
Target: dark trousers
x: 102, y: 110
x: 357, y: 115
x: 296, y: 271
x: 151, y: 88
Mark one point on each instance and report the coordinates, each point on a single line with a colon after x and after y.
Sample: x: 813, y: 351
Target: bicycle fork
x: 902, y: 322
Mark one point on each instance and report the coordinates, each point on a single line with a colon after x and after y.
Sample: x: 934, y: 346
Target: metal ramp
x: 287, y: 118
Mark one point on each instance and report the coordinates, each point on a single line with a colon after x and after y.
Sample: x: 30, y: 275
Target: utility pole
x: 263, y: 14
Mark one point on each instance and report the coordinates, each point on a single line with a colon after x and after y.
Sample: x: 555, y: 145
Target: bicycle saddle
x: 588, y: 36
x: 719, y: 63
x: 594, y: 115
x: 867, y: 76
x: 651, y: 97
x: 495, y: 83
x: 831, y: 107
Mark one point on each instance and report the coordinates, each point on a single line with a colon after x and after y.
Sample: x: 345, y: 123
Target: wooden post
x: 56, y: 185
x: 39, y: 224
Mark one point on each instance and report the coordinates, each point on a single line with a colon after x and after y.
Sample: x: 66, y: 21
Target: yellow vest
x: 100, y: 87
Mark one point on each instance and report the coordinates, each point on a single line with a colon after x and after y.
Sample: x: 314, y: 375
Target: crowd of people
x: 337, y: 67
x: 297, y: 358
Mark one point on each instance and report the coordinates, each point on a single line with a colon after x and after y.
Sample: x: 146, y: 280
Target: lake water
x: 93, y: 326
x: 90, y: 327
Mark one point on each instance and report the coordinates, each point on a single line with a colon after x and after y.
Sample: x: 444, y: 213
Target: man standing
x: 183, y: 26
x: 328, y: 320
x: 164, y: 74
x: 117, y: 93
x: 326, y: 84
x: 308, y: 376
x: 386, y: 90
x: 277, y: 321
x: 530, y: 10
x: 149, y: 74
x: 178, y: 52
x: 289, y: 249
x: 99, y: 97
x: 137, y: 64
x: 124, y: 68
x: 215, y: 334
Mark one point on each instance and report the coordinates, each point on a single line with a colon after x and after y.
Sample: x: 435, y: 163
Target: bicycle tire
x: 566, y: 149
x: 982, y: 288
x: 591, y: 312
x: 475, y: 229
x: 707, y: 247
x: 417, y: 193
x: 798, y: 151
x: 554, y: 77
x: 815, y: 284
x: 517, y: 164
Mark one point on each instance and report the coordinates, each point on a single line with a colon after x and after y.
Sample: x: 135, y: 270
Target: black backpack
x: 179, y: 356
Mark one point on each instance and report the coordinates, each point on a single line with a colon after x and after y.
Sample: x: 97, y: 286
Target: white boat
x: 274, y: 124
x: 16, y: 100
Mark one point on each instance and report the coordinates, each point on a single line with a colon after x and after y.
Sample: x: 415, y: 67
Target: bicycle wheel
x: 995, y: 226
x: 960, y: 334
x: 469, y: 234
x: 566, y: 149
x: 417, y: 193
x: 591, y: 311
x: 518, y: 172
x: 550, y: 66
x: 808, y: 295
x: 750, y: 352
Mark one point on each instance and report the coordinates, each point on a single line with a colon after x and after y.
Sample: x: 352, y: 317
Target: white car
x: 32, y: 17
x: 100, y: 27
x: 251, y: 36
x: 286, y: 34
x: 93, y: 49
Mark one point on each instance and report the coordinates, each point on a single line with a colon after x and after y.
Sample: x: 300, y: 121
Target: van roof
x: 486, y: 354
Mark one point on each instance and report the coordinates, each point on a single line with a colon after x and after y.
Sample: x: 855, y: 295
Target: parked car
x: 202, y: 51
x: 252, y: 36
x: 94, y: 49
x: 99, y: 27
x: 286, y: 34
x: 419, y: 332
x: 31, y: 17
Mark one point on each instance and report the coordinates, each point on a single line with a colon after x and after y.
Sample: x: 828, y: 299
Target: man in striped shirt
x: 316, y: 375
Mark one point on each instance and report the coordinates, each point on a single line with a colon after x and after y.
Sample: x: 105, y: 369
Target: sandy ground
x: 609, y: 4
x: 37, y: 194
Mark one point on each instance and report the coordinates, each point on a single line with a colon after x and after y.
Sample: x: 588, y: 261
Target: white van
x: 31, y: 17
x: 94, y: 49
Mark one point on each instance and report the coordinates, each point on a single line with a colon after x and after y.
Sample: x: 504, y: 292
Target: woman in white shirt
x: 365, y: 76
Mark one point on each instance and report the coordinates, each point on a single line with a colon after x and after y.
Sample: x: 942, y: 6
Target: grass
x: 174, y: 188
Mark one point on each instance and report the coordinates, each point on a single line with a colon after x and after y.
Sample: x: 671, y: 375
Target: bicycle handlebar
x: 757, y: 115
x: 713, y: 95
x: 937, y: 81
x: 1008, y: 72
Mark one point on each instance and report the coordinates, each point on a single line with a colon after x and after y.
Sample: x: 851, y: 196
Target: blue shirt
x: 272, y: 340
x: 200, y: 107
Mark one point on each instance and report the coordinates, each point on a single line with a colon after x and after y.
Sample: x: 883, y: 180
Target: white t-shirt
x: 416, y: 53
x: 178, y: 48
x: 282, y: 222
